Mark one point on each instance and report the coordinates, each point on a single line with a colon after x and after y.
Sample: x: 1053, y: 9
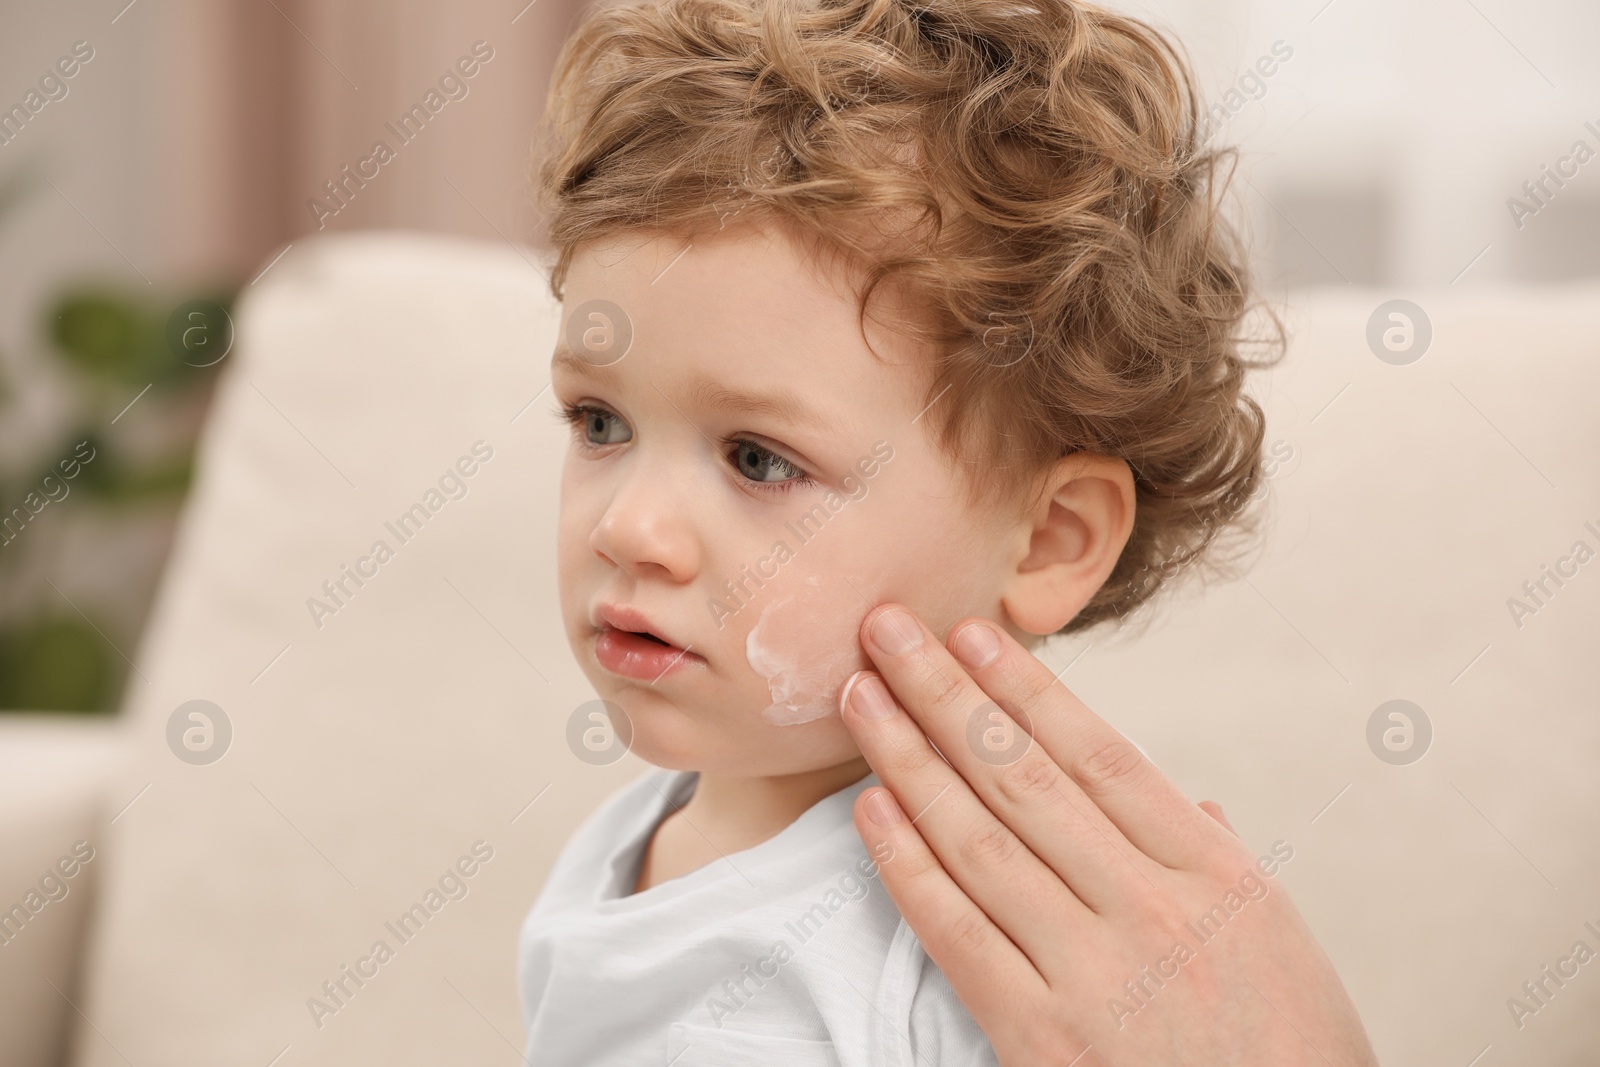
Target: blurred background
x: 180, y: 157
x: 194, y: 142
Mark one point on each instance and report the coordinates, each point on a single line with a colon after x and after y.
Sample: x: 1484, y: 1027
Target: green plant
x: 141, y: 383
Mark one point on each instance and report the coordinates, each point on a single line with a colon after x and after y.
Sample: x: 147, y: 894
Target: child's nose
x: 651, y: 523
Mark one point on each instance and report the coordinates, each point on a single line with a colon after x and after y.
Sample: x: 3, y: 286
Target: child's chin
x: 661, y: 734
x: 670, y: 760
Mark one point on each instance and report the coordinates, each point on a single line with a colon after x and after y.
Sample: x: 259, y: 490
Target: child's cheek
x: 806, y: 642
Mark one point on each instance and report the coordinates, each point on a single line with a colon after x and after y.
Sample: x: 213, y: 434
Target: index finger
x: 1151, y: 812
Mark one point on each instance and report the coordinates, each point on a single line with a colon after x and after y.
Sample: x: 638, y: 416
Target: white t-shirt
x: 791, y: 952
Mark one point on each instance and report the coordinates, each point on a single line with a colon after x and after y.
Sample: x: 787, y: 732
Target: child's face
x: 693, y: 513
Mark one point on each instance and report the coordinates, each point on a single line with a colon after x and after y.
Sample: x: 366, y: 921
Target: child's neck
x: 730, y: 813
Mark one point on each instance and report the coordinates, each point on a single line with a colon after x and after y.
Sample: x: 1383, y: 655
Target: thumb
x: 1213, y: 809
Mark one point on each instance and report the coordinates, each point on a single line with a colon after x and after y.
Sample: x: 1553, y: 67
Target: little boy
x: 862, y: 300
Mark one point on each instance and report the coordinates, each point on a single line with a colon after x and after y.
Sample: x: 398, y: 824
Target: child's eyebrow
x: 779, y: 403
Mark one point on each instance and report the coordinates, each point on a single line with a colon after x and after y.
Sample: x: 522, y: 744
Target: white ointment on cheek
x: 805, y: 644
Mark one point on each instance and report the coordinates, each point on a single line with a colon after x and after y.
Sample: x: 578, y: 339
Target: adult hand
x: 1083, y: 909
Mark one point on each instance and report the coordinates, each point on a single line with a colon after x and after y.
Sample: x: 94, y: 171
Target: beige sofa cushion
x: 52, y: 820
x: 372, y: 751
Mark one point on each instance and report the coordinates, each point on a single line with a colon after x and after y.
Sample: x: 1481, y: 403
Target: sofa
x: 318, y: 742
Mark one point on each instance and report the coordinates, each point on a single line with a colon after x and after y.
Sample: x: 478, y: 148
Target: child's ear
x: 1068, y: 543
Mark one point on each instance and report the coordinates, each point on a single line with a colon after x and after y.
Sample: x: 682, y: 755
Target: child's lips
x: 634, y: 655
x: 629, y: 620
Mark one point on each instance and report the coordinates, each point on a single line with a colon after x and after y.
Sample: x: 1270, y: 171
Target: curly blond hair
x: 1034, y: 173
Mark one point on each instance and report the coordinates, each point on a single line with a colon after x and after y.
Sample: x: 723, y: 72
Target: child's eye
x: 753, y: 461
x: 593, y: 420
x: 764, y: 461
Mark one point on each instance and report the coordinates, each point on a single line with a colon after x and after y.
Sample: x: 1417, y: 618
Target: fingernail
x: 976, y: 646
x: 882, y: 809
x: 870, y: 699
x: 896, y: 632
